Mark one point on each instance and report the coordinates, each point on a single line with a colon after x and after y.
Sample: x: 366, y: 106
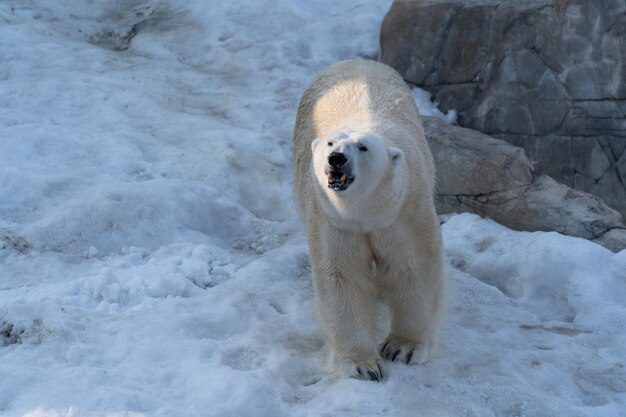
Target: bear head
x: 358, y: 175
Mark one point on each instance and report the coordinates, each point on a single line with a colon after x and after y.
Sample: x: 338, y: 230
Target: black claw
x: 380, y: 371
x: 358, y: 369
x: 389, y: 352
x: 395, y: 355
x: 373, y: 376
x: 409, y: 356
x: 382, y: 350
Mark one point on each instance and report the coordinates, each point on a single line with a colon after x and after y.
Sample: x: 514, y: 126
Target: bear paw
x: 408, y: 352
x: 369, y: 369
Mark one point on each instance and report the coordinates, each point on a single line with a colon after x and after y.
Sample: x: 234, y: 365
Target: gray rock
x: 613, y: 239
x: 546, y: 75
x: 490, y: 177
x: 550, y: 155
x: 590, y: 160
x: 548, y: 205
x: 473, y: 163
x: 621, y: 166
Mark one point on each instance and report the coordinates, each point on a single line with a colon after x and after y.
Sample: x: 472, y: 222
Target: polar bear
x: 363, y: 181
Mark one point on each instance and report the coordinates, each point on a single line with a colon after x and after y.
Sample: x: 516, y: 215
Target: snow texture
x: 429, y: 107
x: 152, y: 263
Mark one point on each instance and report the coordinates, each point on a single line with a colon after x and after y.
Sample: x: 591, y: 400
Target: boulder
x: 545, y: 75
x: 490, y: 177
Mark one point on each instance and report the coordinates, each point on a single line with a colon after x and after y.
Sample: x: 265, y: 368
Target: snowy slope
x: 151, y: 261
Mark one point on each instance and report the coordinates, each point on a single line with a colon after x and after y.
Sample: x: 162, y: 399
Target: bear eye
x: 363, y: 148
x: 330, y: 144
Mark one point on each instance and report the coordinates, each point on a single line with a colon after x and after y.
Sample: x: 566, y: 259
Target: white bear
x: 364, y: 179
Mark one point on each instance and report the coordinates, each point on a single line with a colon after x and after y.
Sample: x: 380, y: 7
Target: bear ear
x: 396, y: 154
x: 314, y: 144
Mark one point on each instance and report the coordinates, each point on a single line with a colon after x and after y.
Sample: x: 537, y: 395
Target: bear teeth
x: 338, y: 181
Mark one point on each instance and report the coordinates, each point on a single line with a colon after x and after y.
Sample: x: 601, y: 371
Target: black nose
x: 337, y: 160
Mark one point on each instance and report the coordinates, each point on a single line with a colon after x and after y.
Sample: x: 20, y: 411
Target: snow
x: 429, y: 107
x: 152, y: 263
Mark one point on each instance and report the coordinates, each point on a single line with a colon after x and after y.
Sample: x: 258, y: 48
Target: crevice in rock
x: 617, y: 173
x: 545, y: 64
x: 609, y: 152
x: 599, y: 235
x: 603, y: 174
x: 611, y: 155
x: 517, y: 19
x: 578, y: 134
x: 557, y: 130
x: 600, y: 118
x: 601, y: 99
x: 452, y: 83
x: 622, y: 155
x: 517, y: 190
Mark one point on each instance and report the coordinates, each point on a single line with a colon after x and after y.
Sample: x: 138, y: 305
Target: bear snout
x: 337, y: 160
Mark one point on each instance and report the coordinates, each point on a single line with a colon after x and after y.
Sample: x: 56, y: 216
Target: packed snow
x: 152, y: 262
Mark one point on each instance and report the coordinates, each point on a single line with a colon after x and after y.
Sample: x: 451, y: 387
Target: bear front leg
x: 346, y: 308
x: 346, y: 303
x: 415, y: 291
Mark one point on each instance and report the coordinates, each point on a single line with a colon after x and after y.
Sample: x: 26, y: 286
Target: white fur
x: 380, y: 174
x: 381, y: 234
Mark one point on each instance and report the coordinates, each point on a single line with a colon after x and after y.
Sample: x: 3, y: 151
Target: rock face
x: 493, y: 178
x: 546, y: 75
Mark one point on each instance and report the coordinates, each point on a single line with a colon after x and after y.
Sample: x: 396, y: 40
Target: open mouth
x: 339, y: 181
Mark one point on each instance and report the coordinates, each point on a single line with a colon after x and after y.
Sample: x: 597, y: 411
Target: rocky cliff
x: 546, y: 75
